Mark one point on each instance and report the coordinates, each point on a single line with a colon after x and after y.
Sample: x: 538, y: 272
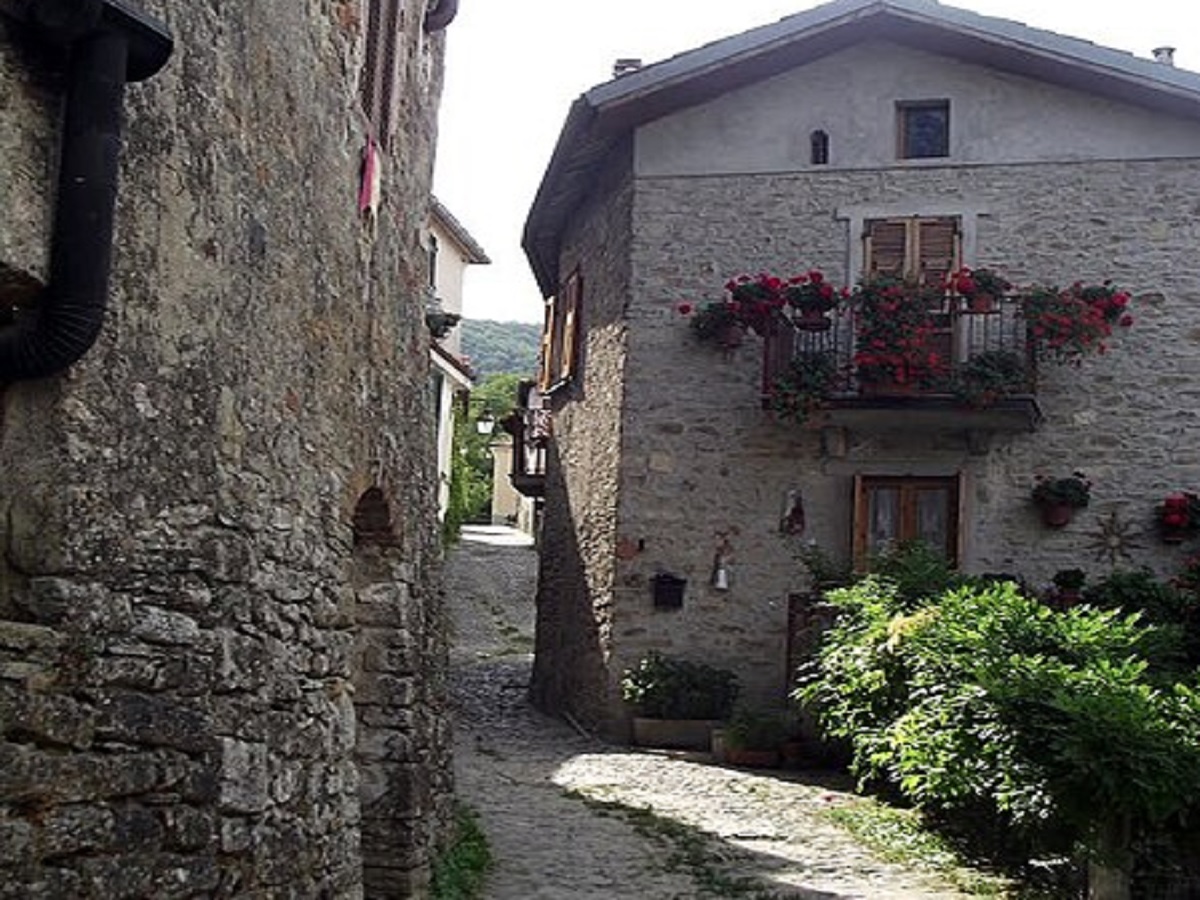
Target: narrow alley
x: 571, y: 818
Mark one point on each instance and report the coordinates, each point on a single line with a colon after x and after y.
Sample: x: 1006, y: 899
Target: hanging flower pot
x: 813, y: 319
x: 732, y: 336
x: 1058, y: 498
x: 981, y: 304
x: 1056, y: 515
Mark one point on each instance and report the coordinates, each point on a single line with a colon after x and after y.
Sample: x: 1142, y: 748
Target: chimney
x: 625, y: 65
x: 1164, y: 55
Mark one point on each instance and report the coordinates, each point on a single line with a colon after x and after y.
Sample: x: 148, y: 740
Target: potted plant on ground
x: 981, y: 288
x: 1068, y: 584
x: 984, y: 378
x: 1058, y: 498
x: 677, y: 702
x: 753, y: 740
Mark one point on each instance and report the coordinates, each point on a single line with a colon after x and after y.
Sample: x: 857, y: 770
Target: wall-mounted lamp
x: 486, y: 423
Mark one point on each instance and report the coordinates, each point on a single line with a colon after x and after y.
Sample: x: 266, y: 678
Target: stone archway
x: 394, y: 786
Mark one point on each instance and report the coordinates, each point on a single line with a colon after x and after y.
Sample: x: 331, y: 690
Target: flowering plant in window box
x: 1178, y: 516
x: 980, y: 287
x: 1058, y: 498
x: 1066, y: 325
x: 894, y: 327
x: 802, y: 390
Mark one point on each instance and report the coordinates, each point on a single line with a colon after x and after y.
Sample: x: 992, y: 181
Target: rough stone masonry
x: 221, y: 637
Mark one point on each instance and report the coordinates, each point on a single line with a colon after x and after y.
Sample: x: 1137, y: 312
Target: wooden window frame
x: 383, y: 53
x: 907, y: 108
x: 560, y: 353
x: 913, y: 267
x: 909, y: 486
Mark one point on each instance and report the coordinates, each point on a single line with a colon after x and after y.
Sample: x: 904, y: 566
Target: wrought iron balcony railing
x: 984, y: 359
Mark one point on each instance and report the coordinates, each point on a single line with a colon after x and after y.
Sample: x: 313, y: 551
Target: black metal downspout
x: 69, y: 315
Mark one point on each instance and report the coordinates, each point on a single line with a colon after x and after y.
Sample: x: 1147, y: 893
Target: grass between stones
x: 458, y: 873
x: 898, y: 836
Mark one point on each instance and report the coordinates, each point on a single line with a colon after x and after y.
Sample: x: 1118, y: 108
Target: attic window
x: 820, y: 148
x: 923, y: 129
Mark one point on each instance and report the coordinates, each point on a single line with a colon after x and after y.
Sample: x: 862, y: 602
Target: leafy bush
x: 755, y: 731
x: 660, y: 687
x: 983, y: 695
x: 917, y: 571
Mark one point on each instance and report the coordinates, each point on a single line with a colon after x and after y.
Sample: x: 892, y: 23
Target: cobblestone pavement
x: 559, y: 808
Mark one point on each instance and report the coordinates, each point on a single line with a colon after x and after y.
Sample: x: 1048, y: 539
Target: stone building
x: 831, y: 139
x: 221, y: 633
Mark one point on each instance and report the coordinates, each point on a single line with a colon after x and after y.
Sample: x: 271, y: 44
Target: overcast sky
x: 513, y: 68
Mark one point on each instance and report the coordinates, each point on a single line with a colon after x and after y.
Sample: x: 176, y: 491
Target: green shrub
x: 983, y: 695
x: 755, y: 731
x: 660, y: 687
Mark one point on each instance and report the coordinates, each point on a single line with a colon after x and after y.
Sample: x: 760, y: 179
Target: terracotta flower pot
x: 1056, y: 515
x: 752, y: 759
x: 813, y: 320
x: 981, y: 303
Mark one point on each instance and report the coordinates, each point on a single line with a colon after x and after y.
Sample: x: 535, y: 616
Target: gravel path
x: 565, y: 814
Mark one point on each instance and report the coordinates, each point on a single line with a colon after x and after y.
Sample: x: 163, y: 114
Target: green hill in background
x: 495, y: 348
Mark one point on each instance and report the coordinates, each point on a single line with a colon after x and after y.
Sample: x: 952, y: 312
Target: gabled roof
x: 469, y: 246
x: 606, y: 113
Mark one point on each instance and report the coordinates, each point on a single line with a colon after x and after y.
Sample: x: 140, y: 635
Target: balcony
x: 985, y: 381
x: 529, y: 425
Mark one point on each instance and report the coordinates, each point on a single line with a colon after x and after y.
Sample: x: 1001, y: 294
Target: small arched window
x: 819, y: 141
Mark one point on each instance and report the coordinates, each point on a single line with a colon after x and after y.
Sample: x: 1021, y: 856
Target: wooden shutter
x: 886, y: 247
x: 573, y: 294
x: 548, y: 363
x: 937, y: 250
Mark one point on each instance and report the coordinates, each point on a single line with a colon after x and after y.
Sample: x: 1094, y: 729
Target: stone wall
x: 575, y: 615
x: 221, y: 636
x: 703, y: 468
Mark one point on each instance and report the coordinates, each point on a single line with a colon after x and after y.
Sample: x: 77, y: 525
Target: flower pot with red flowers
x: 980, y: 288
x: 1067, y: 325
x: 895, y: 350
x: 811, y: 297
x: 1178, y: 517
x: 1058, y: 498
x: 750, y: 304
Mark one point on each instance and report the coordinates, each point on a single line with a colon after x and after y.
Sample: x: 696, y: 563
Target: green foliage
x: 459, y: 871
x: 983, y: 695
x: 471, y: 460
x: 799, y: 392
x: 660, y: 687
x: 986, y: 377
x: 916, y: 569
x: 749, y: 730
x: 497, y: 347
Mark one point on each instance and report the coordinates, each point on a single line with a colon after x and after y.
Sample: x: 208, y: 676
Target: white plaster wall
x: 448, y: 277
x: 995, y: 117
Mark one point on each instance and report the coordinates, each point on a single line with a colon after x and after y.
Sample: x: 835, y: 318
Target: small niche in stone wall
x: 373, y: 520
x: 667, y: 590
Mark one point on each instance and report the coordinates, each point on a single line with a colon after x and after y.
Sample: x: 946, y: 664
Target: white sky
x: 513, y: 68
